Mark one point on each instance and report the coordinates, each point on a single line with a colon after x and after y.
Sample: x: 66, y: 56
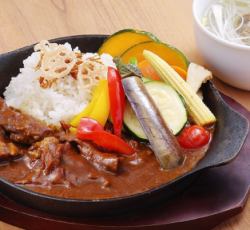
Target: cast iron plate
x: 230, y: 133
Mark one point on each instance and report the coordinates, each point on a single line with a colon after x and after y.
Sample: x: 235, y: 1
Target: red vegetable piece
x: 117, y: 99
x: 89, y: 125
x: 194, y: 136
x: 107, y: 141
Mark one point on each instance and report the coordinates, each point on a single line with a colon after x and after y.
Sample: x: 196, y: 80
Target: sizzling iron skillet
x: 230, y: 133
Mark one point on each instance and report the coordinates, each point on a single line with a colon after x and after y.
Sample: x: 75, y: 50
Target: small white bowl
x: 229, y: 62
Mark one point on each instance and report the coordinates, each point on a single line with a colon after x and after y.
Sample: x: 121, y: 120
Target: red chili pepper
x: 89, y: 125
x: 117, y: 99
x: 107, y: 141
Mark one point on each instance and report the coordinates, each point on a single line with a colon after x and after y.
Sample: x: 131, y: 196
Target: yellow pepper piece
x: 73, y: 130
x: 87, y: 110
x: 98, y: 106
x: 101, y: 109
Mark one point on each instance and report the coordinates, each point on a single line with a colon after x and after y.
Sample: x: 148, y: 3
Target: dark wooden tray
x: 216, y: 195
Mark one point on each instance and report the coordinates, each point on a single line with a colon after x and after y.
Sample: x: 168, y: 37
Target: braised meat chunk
x: 102, y: 161
x: 44, y: 160
x: 49, y: 151
x: 22, y: 128
x: 8, y: 150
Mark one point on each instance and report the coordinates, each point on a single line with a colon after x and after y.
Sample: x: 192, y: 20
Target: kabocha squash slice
x: 120, y: 41
x: 168, y: 53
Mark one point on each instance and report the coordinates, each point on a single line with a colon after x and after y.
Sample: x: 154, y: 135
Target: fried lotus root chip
x: 56, y: 60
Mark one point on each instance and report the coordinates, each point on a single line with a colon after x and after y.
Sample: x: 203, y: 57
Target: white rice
x: 64, y: 99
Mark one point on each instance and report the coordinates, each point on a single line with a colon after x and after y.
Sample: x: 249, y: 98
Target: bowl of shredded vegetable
x: 222, y: 31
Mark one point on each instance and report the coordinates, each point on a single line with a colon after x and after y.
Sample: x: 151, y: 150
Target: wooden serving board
x: 216, y: 195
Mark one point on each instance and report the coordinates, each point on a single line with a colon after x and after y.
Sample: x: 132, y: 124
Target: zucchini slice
x: 168, y: 102
x: 131, y: 122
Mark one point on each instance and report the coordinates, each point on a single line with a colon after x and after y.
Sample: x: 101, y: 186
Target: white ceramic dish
x: 229, y: 62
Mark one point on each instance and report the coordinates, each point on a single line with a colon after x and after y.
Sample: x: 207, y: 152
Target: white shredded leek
x: 229, y: 20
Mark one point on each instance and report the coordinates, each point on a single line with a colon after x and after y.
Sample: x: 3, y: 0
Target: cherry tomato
x: 89, y: 125
x: 194, y: 136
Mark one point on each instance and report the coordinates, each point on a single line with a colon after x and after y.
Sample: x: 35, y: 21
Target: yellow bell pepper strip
x: 73, y: 130
x: 98, y: 108
x: 87, y: 110
x: 100, y: 112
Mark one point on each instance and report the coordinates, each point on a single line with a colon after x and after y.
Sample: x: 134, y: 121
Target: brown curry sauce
x: 137, y: 173
x: 61, y: 170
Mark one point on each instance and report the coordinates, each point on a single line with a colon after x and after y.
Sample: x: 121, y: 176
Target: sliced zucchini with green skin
x: 168, y: 102
x: 132, y: 123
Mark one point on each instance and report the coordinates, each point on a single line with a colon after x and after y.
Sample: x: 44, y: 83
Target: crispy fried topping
x: 58, y: 61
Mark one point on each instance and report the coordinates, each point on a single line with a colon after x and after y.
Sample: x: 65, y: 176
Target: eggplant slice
x: 162, y: 141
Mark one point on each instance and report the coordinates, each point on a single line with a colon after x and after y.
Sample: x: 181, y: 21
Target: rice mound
x: 51, y: 90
